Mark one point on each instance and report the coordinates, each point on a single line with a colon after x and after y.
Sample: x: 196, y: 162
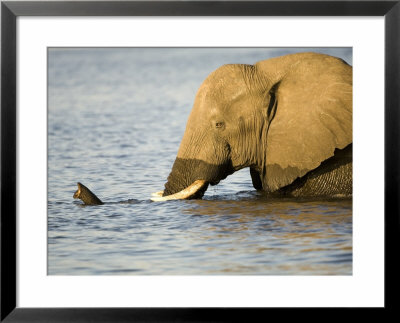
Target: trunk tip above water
x: 86, y: 195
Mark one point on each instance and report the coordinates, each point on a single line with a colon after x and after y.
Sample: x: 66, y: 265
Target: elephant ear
x: 313, y: 117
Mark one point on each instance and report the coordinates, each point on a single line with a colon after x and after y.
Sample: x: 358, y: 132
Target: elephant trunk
x: 183, y: 174
x: 189, y: 179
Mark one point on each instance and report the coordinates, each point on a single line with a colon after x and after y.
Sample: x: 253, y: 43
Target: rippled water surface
x: 115, y: 120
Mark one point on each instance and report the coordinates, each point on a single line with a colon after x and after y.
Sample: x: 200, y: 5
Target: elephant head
x: 281, y: 117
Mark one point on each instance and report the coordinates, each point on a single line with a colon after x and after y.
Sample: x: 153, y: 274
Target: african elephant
x: 289, y: 119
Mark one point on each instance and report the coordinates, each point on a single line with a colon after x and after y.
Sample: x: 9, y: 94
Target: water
x: 115, y: 120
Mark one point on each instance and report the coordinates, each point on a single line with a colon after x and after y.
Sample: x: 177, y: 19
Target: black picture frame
x: 10, y: 10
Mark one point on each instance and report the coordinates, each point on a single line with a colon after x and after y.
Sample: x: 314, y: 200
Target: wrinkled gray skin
x: 289, y: 119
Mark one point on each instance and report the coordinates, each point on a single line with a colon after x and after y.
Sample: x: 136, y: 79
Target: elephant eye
x: 219, y: 124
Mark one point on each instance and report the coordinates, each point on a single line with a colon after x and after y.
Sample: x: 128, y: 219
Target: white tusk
x: 157, y: 194
x: 184, y: 194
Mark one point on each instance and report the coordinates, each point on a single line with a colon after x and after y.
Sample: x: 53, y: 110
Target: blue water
x: 115, y: 120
